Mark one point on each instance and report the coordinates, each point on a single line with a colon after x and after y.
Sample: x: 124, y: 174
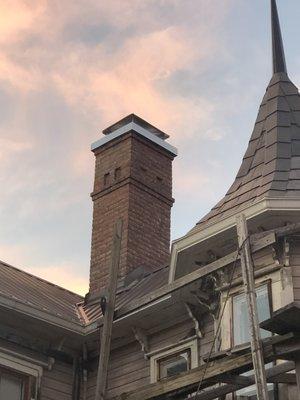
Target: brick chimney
x: 133, y: 180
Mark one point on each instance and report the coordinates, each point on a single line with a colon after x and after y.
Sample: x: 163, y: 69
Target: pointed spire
x: 279, y: 64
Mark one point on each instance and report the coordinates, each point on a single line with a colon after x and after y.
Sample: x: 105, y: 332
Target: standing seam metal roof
x: 30, y: 290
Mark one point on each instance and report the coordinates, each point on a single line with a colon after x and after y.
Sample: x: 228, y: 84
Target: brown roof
x: 90, y: 312
x: 30, y: 290
x: 42, y: 295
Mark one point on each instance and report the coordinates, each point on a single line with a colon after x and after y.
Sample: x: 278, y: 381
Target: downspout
x: 76, y: 379
x: 84, y: 370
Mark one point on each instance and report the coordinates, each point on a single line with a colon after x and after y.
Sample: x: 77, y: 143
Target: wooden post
x: 297, y: 365
x: 105, y: 339
x: 249, y: 286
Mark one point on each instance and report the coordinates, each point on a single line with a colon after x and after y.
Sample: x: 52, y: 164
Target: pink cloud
x: 63, y: 274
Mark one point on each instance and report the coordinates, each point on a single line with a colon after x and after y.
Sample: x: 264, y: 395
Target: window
x: 19, y: 378
x: 175, y: 364
x: 13, y: 386
x: 241, y: 329
x: 174, y: 361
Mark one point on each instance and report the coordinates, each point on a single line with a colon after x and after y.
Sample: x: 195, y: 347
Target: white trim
x: 212, y: 229
x: 167, y: 297
x: 192, y: 345
x: 132, y: 126
x: 18, y: 364
x: 226, y: 325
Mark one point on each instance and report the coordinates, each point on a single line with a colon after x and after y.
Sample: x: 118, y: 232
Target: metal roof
x: 90, y: 312
x: 39, y: 294
x: 30, y: 290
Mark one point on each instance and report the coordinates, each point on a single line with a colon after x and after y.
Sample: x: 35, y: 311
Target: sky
x: 196, y: 69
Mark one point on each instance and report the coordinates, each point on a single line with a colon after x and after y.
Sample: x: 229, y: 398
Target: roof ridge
x: 40, y: 279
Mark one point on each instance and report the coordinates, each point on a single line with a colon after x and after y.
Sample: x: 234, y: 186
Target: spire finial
x: 279, y: 64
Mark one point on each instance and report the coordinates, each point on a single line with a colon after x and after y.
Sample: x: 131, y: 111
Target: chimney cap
x: 139, y: 121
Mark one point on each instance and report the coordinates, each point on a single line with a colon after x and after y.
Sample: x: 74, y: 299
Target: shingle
x: 234, y: 186
x: 253, y: 145
x: 289, y: 88
x: 279, y: 118
x: 293, y: 185
x: 295, y: 174
x: 259, y: 157
x: 279, y: 185
x: 258, y: 129
x: 277, y: 104
x: 296, y: 148
x: 244, y: 169
x: 282, y: 150
x: 295, y: 163
x: 262, y: 114
x: 294, y: 102
x: 281, y: 176
x: 295, y: 132
x: 274, y: 91
x: 277, y: 134
x: 296, y: 115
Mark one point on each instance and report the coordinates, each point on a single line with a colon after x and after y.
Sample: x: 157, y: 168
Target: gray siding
x: 57, y: 383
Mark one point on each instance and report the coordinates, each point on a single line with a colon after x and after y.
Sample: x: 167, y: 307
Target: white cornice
x: 132, y: 126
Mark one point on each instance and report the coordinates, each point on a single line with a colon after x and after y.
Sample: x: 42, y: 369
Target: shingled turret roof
x: 271, y: 164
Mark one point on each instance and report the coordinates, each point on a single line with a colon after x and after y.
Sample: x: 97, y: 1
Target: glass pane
x: 11, y: 387
x: 263, y: 307
x: 241, y: 328
x: 174, y: 365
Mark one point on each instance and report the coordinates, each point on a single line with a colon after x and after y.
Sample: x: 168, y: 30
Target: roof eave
x: 34, y: 312
x: 211, y: 229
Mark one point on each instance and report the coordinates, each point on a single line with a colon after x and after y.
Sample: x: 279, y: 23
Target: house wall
x: 129, y: 368
x: 295, y: 266
x: 55, y: 381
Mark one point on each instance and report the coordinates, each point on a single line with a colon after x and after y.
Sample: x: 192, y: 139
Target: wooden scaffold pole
x: 249, y: 286
x: 105, y: 338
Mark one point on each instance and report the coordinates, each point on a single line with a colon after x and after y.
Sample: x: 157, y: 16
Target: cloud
x: 70, y: 68
x: 63, y: 274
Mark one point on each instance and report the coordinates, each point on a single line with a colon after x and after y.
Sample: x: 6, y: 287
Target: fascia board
x: 41, y: 315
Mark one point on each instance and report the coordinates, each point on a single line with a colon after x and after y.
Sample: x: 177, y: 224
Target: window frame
x: 16, y: 364
x: 191, y: 347
x: 26, y: 380
x: 268, y: 284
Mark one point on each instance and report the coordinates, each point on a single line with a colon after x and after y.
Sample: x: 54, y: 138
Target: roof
x: 90, y: 312
x: 139, y: 121
x: 27, y: 289
x: 271, y: 165
x: 30, y: 290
